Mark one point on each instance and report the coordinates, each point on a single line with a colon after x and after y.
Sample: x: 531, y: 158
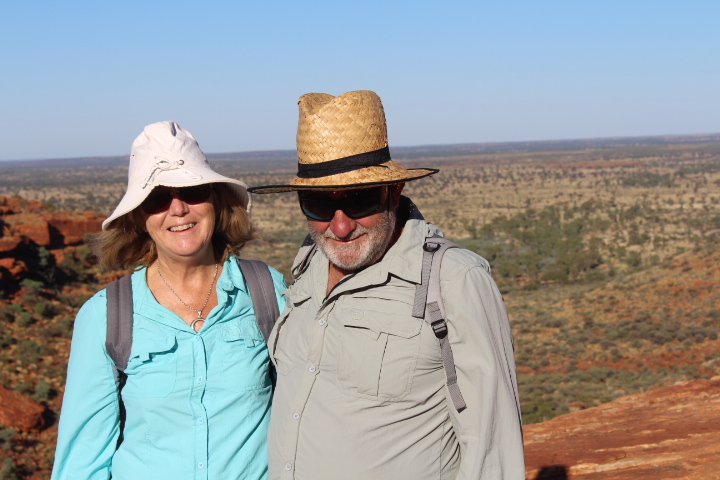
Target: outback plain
x: 606, y: 252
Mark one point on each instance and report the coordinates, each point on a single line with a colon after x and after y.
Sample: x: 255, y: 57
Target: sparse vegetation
x: 606, y: 255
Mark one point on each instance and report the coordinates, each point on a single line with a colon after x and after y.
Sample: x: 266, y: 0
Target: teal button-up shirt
x: 198, y: 404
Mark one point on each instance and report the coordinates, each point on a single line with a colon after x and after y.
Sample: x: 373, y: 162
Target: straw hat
x: 167, y: 154
x: 342, y: 143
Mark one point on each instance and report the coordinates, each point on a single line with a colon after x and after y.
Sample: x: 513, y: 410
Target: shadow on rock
x: 553, y: 472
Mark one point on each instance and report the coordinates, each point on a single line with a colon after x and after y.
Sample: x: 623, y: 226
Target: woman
x: 198, y: 387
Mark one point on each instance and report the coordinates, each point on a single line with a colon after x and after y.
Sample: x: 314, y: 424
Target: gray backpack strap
x: 118, y: 341
x: 119, y: 321
x: 262, y: 292
x: 429, y: 305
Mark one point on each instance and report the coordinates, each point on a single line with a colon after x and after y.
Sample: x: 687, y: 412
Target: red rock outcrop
x: 24, y: 222
x: 668, y: 433
x: 20, y: 412
x: 27, y: 221
x: 74, y: 227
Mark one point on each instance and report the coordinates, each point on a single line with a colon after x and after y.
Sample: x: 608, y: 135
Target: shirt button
x: 288, y: 466
x: 312, y: 368
x: 201, y: 465
x: 201, y: 421
x: 321, y: 322
x: 199, y: 379
x: 296, y: 416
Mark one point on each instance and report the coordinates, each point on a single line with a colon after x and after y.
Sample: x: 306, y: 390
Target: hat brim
x: 133, y: 199
x: 387, y: 173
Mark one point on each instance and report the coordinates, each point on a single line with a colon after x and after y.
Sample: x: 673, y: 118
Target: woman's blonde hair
x: 126, y: 245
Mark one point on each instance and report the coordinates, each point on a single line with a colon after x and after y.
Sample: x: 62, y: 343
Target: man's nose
x: 342, y: 225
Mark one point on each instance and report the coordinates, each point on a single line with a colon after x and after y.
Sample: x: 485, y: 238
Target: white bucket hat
x: 166, y: 154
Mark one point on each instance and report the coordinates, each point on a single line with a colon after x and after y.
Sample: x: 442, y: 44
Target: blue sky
x: 82, y: 78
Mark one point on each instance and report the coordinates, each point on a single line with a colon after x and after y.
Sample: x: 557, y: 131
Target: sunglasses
x: 355, y: 204
x: 160, y: 198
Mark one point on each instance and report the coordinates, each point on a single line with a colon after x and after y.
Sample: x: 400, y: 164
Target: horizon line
x: 218, y: 155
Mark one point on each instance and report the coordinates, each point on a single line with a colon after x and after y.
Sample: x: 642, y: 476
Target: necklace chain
x: 199, y: 312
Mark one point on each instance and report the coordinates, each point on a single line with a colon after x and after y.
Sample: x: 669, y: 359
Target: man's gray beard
x: 355, y: 257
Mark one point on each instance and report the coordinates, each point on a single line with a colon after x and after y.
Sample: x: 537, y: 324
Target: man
x: 362, y: 389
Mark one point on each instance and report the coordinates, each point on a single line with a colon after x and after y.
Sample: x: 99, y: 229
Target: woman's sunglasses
x: 355, y: 203
x: 160, y: 198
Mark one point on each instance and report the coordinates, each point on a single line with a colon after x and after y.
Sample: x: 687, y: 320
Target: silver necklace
x: 199, y: 312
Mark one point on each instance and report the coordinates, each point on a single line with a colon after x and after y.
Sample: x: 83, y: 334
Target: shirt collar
x: 144, y: 302
x: 404, y: 259
x: 231, y: 276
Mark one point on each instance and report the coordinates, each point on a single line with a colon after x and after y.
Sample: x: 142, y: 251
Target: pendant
x: 192, y: 325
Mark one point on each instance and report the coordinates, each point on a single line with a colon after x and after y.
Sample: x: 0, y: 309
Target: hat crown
x: 331, y: 127
x: 161, y: 147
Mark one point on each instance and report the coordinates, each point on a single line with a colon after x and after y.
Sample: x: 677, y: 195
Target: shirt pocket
x: 152, y: 366
x: 379, y: 354
x: 244, y: 356
x: 289, y: 341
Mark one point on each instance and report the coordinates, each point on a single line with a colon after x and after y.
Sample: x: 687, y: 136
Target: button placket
x: 198, y: 380
x: 313, y: 355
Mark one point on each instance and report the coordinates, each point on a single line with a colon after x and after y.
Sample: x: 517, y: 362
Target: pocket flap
x: 398, y: 325
x: 296, y: 295
x: 146, y: 346
x: 246, y: 330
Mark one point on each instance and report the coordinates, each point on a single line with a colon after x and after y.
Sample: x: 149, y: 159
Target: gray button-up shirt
x: 361, y: 390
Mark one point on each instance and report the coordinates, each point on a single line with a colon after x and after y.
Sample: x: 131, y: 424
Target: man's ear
x: 394, y: 191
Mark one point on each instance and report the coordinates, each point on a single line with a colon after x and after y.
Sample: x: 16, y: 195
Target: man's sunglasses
x: 355, y: 203
x: 160, y: 198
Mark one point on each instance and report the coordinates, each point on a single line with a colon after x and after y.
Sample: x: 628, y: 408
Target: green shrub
x: 29, y: 352
x: 7, y: 470
x: 6, y: 435
x: 43, y: 391
x: 634, y: 259
x: 32, y: 287
x: 62, y: 327
x: 7, y: 314
x: 25, y: 319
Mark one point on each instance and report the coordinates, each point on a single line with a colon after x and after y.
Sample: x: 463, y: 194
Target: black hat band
x: 344, y: 165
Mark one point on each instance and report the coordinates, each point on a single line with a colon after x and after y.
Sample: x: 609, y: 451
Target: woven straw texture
x: 331, y: 128
x: 337, y: 127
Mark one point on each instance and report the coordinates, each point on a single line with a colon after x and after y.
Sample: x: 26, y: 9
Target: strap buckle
x: 431, y: 246
x: 439, y: 327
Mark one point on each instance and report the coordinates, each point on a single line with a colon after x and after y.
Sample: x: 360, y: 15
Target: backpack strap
x: 118, y: 339
x: 262, y: 292
x: 429, y: 305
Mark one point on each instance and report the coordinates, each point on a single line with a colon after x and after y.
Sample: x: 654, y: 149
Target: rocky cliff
x: 28, y: 223
x: 668, y: 433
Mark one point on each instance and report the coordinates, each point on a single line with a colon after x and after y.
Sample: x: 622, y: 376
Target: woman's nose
x: 178, y: 206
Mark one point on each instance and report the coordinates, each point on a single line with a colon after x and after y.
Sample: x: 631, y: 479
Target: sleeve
x: 89, y: 419
x: 280, y: 287
x: 490, y: 428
